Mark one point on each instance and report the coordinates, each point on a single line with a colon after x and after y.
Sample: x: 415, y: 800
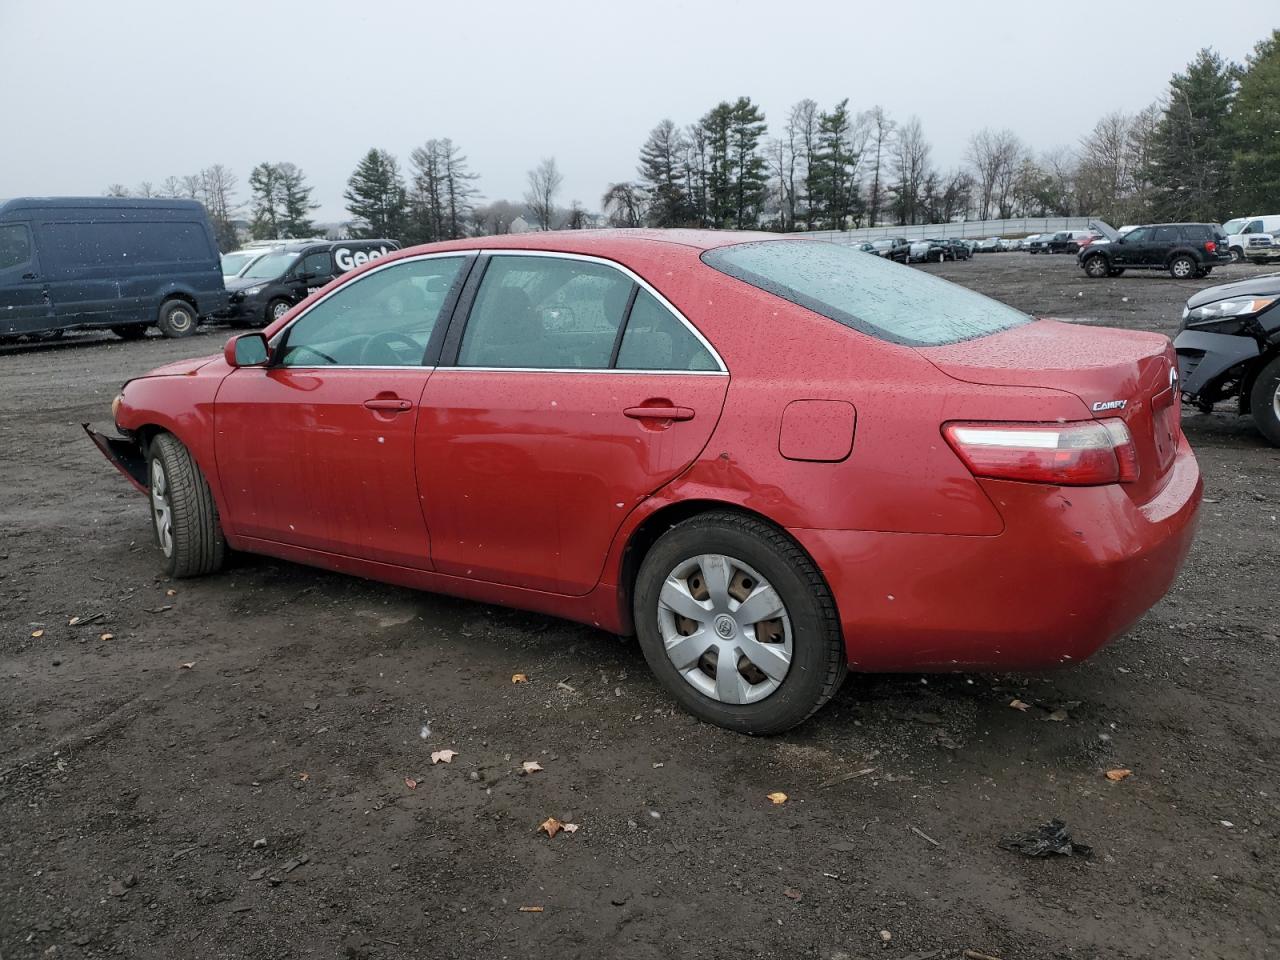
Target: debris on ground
x: 1019, y: 705
x: 519, y: 678
x: 530, y: 766
x: 777, y: 798
x: 1115, y: 776
x: 411, y: 783
x: 443, y: 756
x: 1046, y: 840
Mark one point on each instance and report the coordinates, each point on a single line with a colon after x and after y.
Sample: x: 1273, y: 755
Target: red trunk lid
x: 1116, y: 373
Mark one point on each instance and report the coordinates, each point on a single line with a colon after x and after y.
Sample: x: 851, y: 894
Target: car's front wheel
x: 1096, y: 266
x: 184, y: 517
x: 738, y: 624
x: 277, y: 309
x: 1264, y: 401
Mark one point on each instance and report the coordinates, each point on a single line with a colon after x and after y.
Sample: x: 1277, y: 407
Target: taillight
x: 1082, y: 453
x: 1210, y: 246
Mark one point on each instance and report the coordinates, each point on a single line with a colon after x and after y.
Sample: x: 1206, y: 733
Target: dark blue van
x: 100, y: 262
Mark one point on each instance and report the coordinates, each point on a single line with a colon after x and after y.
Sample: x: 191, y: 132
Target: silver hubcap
x: 725, y: 629
x: 161, y: 511
x: 1275, y: 401
x: 179, y: 319
x: 1181, y: 268
x: 279, y: 310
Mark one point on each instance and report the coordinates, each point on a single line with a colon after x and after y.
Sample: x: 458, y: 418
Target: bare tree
x: 145, y: 189
x: 802, y: 136
x: 911, y: 169
x: 171, y: 187
x: 880, y: 137
x: 994, y: 156
x: 544, y: 184
x: 117, y: 190
x: 623, y: 204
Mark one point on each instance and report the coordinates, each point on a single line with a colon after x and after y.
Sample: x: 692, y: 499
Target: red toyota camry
x: 771, y: 459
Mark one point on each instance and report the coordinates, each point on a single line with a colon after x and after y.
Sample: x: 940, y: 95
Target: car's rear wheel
x: 134, y: 331
x: 738, y: 624
x: 1096, y: 266
x: 1264, y: 401
x: 1182, y: 267
x: 184, y: 517
x: 177, y: 318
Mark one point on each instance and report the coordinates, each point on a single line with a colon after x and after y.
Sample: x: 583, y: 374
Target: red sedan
x: 771, y: 459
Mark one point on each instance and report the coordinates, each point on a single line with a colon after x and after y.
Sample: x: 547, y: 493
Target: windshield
x: 233, y: 263
x: 1234, y: 226
x: 868, y: 294
x: 271, y: 266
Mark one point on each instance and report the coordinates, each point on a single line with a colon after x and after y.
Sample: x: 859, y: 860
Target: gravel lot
x: 217, y: 768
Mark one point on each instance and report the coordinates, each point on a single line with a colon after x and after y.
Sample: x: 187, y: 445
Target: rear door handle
x: 394, y: 404
x: 659, y: 413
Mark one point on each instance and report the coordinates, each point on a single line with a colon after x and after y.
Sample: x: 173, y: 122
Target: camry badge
x: 1109, y: 405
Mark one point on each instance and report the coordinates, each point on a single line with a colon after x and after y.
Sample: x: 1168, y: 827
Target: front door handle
x: 659, y: 413
x: 392, y: 404
x: 31, y: 276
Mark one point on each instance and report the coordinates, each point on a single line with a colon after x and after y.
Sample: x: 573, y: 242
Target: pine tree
x: 1255, y: 167
x: 716, y: 126
x: 376, y: 196
x: 833, y: 180
x: 296, y: 203
x: 662, y: 176
x: 459, y: 194
x: 1191, y: 154
x: 750, y: 177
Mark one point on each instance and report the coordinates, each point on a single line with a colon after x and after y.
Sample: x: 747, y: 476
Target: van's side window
x: 317, y: 263
x: 15, y: 246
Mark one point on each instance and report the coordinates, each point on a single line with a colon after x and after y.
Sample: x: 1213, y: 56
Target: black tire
x: 276, y: 309
x: 818, y: 663
x: 177, y: 318
x: 195, y: 543
x: 1237, y: 254
x: 1096, y: 266
x: 135, y: 331
x: 1206, y: 271
x: 1264, y: 401
x: 1183, y: 267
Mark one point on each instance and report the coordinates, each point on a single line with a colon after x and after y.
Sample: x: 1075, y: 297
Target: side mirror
x: 246, y: 350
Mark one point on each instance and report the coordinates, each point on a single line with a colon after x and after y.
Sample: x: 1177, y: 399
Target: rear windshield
x: 869, y: 294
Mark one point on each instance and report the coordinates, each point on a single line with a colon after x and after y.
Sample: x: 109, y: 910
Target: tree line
x: 1205, y: 151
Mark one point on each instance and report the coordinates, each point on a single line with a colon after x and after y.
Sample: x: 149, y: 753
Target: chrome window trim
x: 522, y: 252
x: 637, y: 279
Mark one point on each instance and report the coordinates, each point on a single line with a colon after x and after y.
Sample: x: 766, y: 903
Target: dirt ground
x: 218, y: 768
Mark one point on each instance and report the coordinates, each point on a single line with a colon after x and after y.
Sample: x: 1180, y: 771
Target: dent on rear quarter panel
x: 183, y: 405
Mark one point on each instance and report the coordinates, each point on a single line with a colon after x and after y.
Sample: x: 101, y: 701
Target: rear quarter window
x: 868, y: 294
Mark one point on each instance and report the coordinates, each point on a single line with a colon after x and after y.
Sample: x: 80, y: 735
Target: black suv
x: 892, y: 248
x: 1186, y: 250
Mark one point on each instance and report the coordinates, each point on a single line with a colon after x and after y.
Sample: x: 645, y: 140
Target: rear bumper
x: 1073, y: 569
x: 125, y: 455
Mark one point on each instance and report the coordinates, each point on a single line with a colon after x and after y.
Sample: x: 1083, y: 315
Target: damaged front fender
x: 124, y: 453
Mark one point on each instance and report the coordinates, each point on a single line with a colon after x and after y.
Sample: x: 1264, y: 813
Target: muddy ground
x: 224, y: 773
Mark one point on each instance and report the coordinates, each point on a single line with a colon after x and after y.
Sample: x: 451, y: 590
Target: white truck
x: 1242, y: 229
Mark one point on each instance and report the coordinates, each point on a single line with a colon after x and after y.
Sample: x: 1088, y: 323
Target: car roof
x: 17, y: 204
x: 604, y: 243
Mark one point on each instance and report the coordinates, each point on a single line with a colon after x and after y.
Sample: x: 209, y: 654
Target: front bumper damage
x: 125, y: 454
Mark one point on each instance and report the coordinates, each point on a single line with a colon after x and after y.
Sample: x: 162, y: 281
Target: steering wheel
x: 302, y: 346
x: 384, y: 341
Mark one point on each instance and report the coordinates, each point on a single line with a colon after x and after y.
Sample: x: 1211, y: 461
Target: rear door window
x: 655, y: 339
x: 868, y: 294
x: 545, y: 313
x: 319, y: 263
x: 1166, y: 235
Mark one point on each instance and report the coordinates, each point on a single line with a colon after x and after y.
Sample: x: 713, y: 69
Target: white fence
x: 976, y: 229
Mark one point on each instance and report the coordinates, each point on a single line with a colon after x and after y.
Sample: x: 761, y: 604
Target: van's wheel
x: 277, y: 309
x: 1096, y: 266
x: 738, y: 624
x: 135, y: 331
x: 177, y: 319
x: 1182, y: 267
x: 184, y: 517
x: 1264, y: 401
x: 1237, y: 254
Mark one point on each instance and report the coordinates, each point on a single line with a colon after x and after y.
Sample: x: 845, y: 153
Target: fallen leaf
x: 171, y: 593
x: 1059, y: 715
x: 531, y: 909
x: 791, y: 893
x: 188, y: 665
x: 530, y: 766
x: 107, y: 636
x: 37, y: 634
x: 1019, y: 705
x: 1120, y: 774
x: 443, y: 756
x: 777, y: 798
x: 411, y: 783
x: 569, y: 827
x: 551, y: 826
x: 519, y: 678
x: 73, y: 621
x: 304, y: 777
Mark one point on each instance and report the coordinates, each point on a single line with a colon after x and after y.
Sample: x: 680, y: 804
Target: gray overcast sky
x: 99, y: 93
